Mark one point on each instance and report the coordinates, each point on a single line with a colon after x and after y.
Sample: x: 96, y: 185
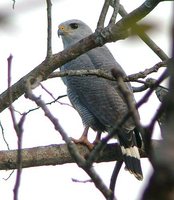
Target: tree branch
x: 18, y: 127
x: 49, y: 29
x: 103, y: 14
x: 150, y: 43
x: 161, y: 183
x: 107, y: 74
x: 111, y: 33
x: 77, y: 157
x: 55, y: 154
x: 116, y: 6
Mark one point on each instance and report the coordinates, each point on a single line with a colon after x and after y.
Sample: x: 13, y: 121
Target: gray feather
x: 98, y: 101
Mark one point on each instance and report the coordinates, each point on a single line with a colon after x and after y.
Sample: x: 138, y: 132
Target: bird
x: 99, y: 101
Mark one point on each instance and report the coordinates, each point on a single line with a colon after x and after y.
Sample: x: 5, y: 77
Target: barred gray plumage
x: 97, y: 100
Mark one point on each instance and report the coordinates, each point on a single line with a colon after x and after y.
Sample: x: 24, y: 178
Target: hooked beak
x: 60, y: 32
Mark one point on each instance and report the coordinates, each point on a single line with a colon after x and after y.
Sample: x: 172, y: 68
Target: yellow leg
x: 84, y: 139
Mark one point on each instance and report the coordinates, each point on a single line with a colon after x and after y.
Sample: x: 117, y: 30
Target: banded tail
x: 131, y: 153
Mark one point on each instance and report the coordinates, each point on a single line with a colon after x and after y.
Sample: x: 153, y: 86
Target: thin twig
x: 9, y: 175
x: 79, y: 181
x: 146, y: 72
x: 18, y: 129
x: 19, y: 156
x: 114, y: 176
x: 103, y: 14
x: 150, y: 128
x: 116, y: 7
x: 9, y: 61
x: 48, y: 114
x: 99, y: 183
x: 49, y: 29
x: 14, y: 2
x: 139, y: 89
x: 49, y: 103
x: 3, y: 135
x: 47, y: 91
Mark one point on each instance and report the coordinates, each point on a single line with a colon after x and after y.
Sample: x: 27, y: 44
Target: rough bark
x: 55, y: 154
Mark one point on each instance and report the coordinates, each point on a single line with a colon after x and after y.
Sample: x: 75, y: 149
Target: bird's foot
x: 84, y: 141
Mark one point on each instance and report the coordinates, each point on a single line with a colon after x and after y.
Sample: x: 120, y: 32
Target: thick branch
x: 109, y: 34
x: 54, y: 155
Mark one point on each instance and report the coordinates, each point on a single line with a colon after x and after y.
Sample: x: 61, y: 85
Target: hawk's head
x: 72, y: 31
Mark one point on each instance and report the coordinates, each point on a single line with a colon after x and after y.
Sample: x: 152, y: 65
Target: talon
x: 83, y: 140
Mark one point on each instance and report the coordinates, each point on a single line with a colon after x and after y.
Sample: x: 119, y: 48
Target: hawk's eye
x: 74, y: 25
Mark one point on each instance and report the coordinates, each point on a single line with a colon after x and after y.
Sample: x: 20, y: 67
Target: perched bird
x: 98, y: 101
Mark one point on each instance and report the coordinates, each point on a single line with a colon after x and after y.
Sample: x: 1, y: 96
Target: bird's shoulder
x: 97, y: 58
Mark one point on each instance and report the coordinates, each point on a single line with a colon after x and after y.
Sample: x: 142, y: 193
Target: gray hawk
x: 98, y: 101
